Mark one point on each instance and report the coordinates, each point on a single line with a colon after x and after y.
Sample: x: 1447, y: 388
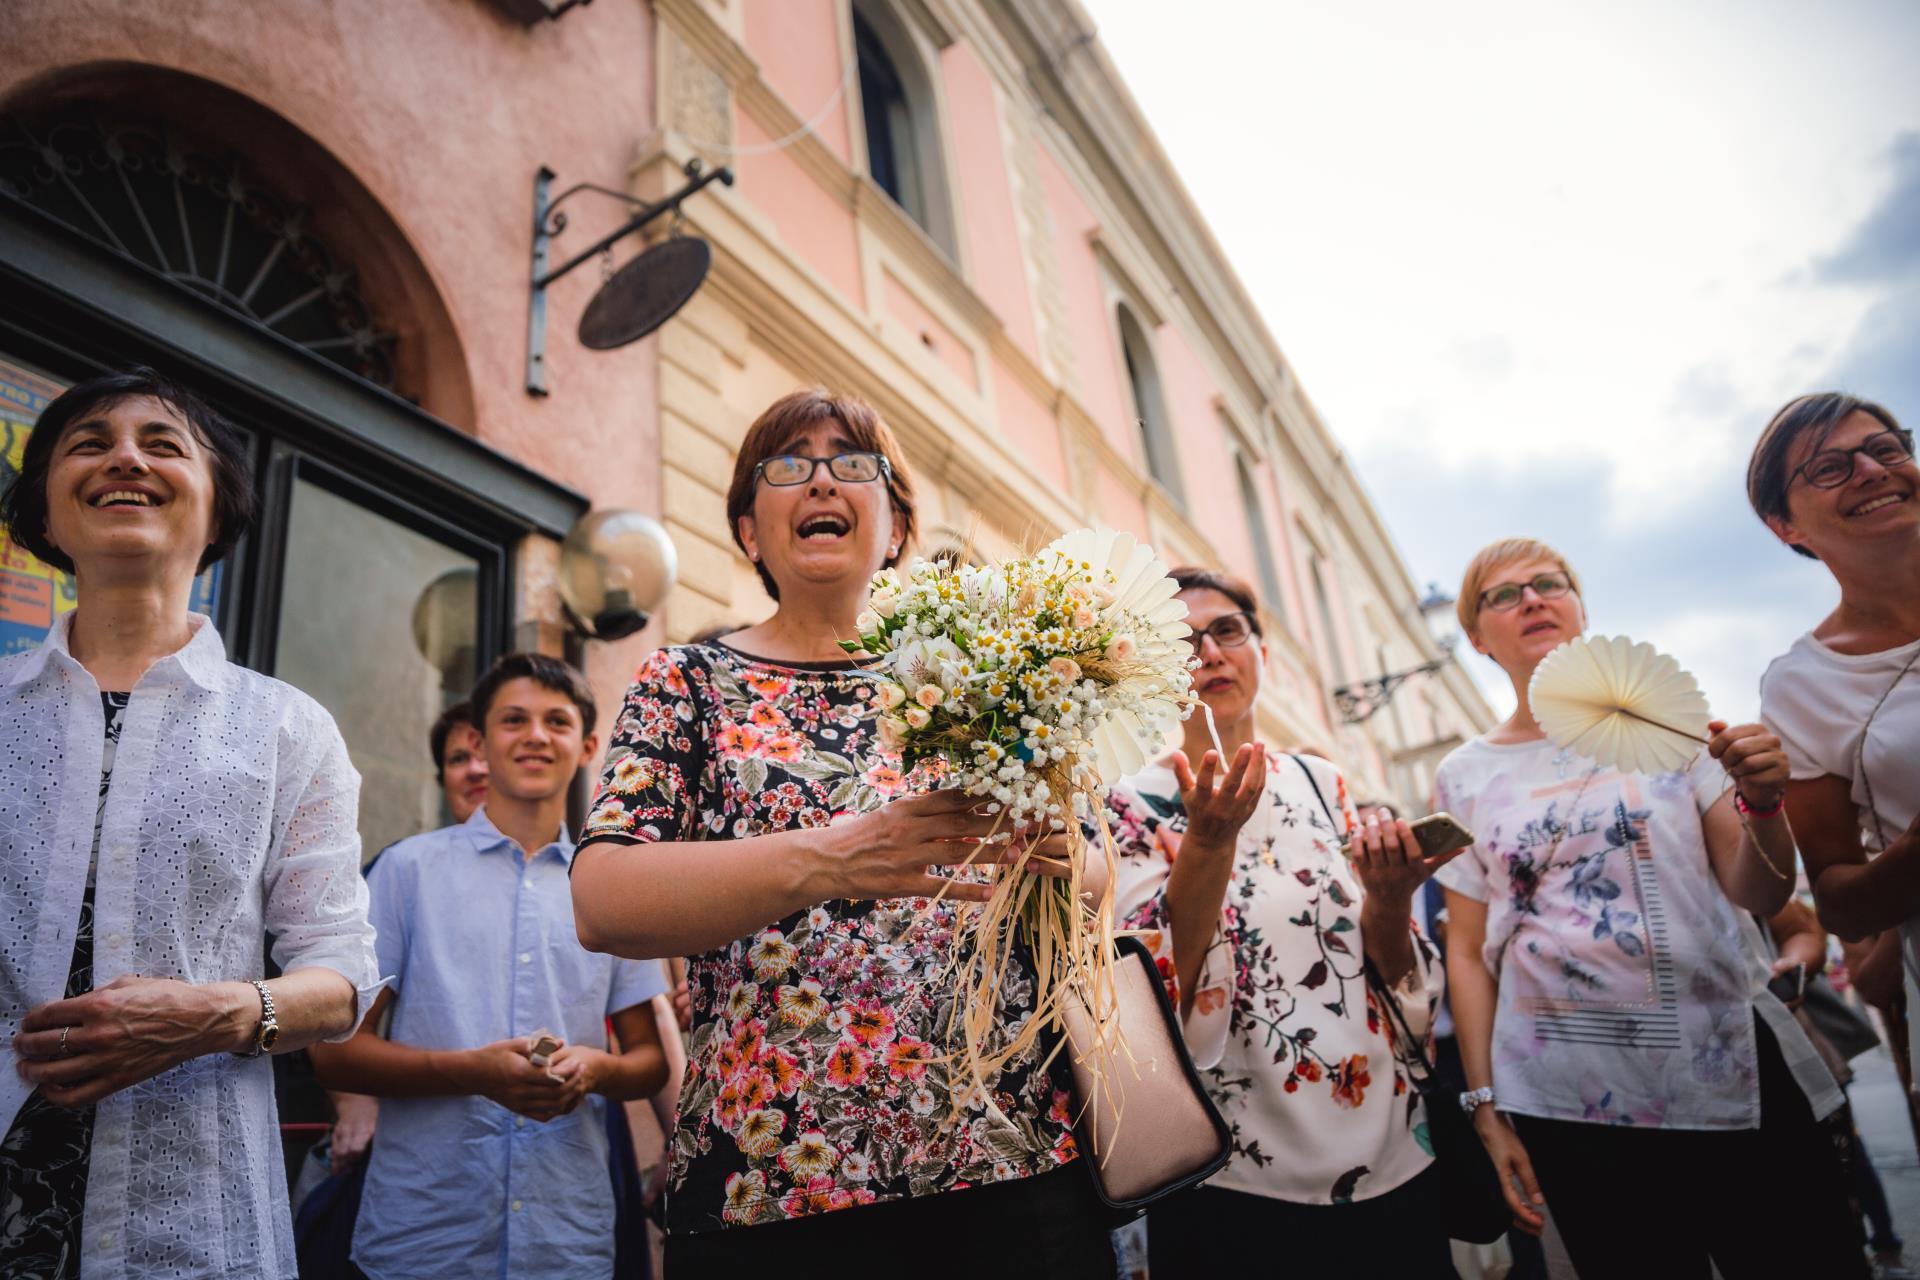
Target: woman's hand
x: 1387, y: 859
x: 1215, y: 814
x: 887, y: 852
x: 78, y: 1051
x: 1754, y: 760
x: 1511, y: 1162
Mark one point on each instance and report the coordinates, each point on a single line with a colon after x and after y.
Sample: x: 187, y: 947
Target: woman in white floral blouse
x: 1264, y: 927
x: 1628, y: 1067
x: 750, y: 818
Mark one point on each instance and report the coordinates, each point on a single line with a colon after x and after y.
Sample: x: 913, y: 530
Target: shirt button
x: 526, y: 957
x: 105, y: 1240
x: 115, y: 939
x: 519, y: 1122
x: 516, y: 1206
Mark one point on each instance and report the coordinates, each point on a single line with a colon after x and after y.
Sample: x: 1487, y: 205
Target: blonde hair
x: 1496, y: 556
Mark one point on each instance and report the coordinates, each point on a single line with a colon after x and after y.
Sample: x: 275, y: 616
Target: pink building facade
x: 320, y: 212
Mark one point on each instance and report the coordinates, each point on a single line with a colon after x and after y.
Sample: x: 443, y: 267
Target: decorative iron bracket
x: 1356, y: 702
x: 549, y: 220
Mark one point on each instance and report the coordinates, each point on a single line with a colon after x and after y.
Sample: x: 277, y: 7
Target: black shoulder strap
x: 1414, y: 1055
x: 1333, y: 823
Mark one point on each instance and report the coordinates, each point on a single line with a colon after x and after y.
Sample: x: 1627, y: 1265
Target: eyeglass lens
x: 1508, y: 595
x: 1831, y: 468
x: 853, y: 468
x: 1227, y: 632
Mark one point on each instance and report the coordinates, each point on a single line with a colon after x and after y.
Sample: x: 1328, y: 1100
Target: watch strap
x: 269, y: 1027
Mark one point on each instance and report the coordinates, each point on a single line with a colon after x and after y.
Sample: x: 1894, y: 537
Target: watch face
x: 269, y: 1034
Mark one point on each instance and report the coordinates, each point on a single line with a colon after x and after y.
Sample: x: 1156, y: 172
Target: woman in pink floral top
x: 1265, y: 926
x: 749, y: 819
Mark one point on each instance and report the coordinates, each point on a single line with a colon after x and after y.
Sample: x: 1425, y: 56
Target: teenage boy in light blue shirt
x: 487, y: 1165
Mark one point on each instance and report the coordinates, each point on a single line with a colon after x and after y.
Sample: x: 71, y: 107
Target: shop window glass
x: 379, y: 623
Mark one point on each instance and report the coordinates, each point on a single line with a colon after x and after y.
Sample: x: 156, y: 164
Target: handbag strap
x: 1399, y: 1033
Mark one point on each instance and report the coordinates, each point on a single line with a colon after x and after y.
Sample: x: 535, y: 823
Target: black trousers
x: 1051, y: 1226
x: 1212, y: 1233
x: 1760, y: 1203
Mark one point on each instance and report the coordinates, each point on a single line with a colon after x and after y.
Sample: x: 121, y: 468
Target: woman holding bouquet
x: 1266, y: 927
x: 750, y: 818
x: 1626, y: 1063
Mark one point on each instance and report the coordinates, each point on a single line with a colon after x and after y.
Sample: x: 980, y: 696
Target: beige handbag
x: 1148, y: 1129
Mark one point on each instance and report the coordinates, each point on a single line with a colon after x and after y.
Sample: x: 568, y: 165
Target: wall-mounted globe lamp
x: 616, y: 568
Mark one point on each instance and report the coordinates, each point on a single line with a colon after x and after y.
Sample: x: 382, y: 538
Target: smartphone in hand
x: 1789, y: 985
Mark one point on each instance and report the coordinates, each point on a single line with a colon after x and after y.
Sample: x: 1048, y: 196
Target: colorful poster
x: 32, y: 592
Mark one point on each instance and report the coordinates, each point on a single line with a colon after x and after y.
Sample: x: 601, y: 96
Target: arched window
x: 1257, y: 533
x: 1149, y: 406
x: 902, y: 125
x: 148, y: 193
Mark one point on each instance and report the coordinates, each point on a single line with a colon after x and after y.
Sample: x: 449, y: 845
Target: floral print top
x: 1294, y: 1048
x: 1627, y: 987
x: 816, y: 1077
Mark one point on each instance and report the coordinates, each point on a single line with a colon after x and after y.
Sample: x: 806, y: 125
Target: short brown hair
x: 460, y: 713
x: 1768, y: 475
x: 789, y: 416
x: 547, y: 672
x: 1498, y: 555
x: 1193, y: 577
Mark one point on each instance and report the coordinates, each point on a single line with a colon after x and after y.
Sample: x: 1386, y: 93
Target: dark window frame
x: 76, y: 309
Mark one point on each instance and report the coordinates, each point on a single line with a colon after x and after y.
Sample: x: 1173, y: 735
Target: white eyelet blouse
x: 233, y: 815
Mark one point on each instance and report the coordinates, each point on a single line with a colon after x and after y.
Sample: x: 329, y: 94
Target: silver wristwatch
x: 269, y: 1029
x: 1473, y: 1099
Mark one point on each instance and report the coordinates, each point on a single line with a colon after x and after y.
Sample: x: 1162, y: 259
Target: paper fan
x: 1621, y: 704
x: 1142, y: 603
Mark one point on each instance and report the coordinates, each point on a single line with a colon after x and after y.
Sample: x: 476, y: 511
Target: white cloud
x: 1548, y: 268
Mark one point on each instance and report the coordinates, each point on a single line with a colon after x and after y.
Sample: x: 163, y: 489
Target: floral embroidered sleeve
x: 1146, y: 831
x: 649, y: 783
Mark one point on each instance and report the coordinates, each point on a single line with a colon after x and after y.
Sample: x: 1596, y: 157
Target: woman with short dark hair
x: 165, y: 812
x: 749, y: 817
x: 1834, y: 478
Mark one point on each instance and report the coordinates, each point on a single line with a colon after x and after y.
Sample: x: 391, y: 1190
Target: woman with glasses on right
x: 1835, y: 479
x: 1625, y: 1062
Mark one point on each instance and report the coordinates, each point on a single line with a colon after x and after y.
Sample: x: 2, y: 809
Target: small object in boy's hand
x: 543, y: 1046
x: 1790, y: 984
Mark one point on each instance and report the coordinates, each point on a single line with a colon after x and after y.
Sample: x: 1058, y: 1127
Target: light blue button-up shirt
x: 481, y: 946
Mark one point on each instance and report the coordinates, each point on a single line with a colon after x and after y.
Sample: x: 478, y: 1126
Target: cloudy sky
x: 1547, y: 268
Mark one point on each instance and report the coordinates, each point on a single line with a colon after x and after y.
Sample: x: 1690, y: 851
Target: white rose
x: 1121, y: 647
x: 893, y: 734
x: 1083, y: 617
x: 867, y: 623
x: 884, y: 602
x: 1066, y: 668
x: 930, y: 695
x: 891, y: 695
x: 918, y: 717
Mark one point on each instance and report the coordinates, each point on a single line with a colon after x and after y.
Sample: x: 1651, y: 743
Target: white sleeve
x: 1466, y: 875
x: 316, y: 898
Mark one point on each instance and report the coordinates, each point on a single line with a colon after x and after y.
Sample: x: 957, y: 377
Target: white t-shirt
x: 1627, y: 982
x: 1815, y: 701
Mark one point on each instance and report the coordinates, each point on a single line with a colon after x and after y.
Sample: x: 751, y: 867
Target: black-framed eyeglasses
x: 1229, y: 631
x: 1508, y: 595
x: 852, y: 468
x: 1831, y: 468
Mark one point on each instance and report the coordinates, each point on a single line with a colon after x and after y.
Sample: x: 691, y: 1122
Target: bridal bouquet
x: 1034, y: 684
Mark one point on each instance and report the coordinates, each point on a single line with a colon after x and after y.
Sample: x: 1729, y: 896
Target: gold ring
x: 64, y: 1051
